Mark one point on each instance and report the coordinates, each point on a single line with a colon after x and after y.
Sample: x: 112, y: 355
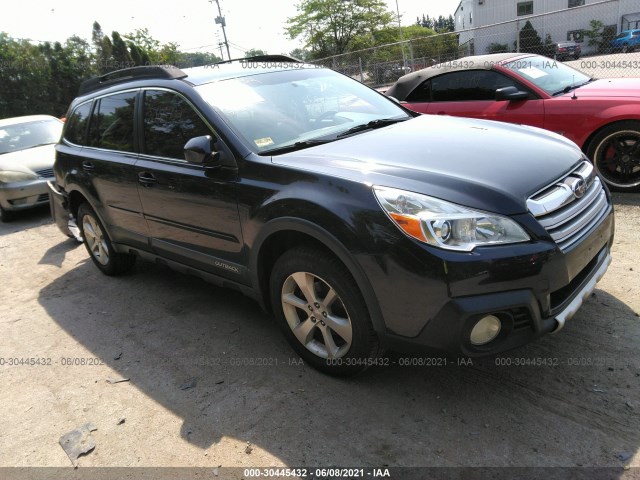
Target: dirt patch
x: 210, y: 376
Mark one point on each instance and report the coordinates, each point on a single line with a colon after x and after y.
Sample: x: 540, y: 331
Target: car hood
x: 488, y: 165
x: 29, y: 160
x: 610, y: 87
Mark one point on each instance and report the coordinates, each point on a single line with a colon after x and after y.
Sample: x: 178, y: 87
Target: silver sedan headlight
x: 8, y: 176
x: 444, y: 224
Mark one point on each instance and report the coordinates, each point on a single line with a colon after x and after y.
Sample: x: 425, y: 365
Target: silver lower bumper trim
x: 579, y: 299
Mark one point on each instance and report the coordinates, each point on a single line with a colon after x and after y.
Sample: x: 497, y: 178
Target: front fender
x: 332, y: 243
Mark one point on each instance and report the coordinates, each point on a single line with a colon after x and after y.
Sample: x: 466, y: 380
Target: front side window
x: 76, y: 128
x: 525, y: 8
x: 422, y: 93
x: 468, y: 85
x: 169, y: 122
x: 112, y: 122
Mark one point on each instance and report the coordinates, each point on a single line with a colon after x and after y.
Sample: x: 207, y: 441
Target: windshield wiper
x: 296, y: 146
x: 38, y: 145
x: 381, y: 122
x: 568, y: 88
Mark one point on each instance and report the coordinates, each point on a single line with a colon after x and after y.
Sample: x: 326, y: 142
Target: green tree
x: 196, y: 59
x: 328, y: 27
x: 24, y: 77
x: 143, y: 47
x: 300, y: 54
x: 600, y: 36
x: 498, y: 48
x: 169, y: 54
x: 530, y: 41
x: 254, y: 52
x: 102, y: 48
x: 120, y: 56
x: 44, y: 79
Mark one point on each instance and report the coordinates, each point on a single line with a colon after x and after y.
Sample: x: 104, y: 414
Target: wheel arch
x: 282, y: 234
x: 586, y: 146
x: 77, y: 198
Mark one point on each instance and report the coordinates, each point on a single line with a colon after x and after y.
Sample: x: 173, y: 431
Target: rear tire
x: 99, y: 246
x: 322, y: 313
x: 615, y: 153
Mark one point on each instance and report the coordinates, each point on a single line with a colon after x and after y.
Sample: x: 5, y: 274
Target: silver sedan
x: 27, y: 152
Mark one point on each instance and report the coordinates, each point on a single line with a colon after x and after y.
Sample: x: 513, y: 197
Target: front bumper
x: 23, y: 195
x: 534, y: 289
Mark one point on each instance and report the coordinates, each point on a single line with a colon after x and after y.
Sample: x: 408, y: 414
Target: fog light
x: 485, y: 330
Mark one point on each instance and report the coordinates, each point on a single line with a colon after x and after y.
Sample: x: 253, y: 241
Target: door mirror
x: 200, y: 151
x: 511, y: 94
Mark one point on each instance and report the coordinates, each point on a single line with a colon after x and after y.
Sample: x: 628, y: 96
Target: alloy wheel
x: 95, y: 239
x: 617, y: 158
x: 316, y: 315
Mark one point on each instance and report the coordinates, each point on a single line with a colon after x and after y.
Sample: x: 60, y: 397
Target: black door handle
x: 146, y: 179
x: 87, y: 165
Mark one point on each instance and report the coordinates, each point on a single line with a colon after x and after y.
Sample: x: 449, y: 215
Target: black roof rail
x: 264, y: 58
x: 168, y: 72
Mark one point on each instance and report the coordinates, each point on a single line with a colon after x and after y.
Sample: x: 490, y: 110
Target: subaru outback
x: 359, y: 225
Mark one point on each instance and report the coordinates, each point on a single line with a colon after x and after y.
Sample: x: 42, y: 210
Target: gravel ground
x: 193, y: 397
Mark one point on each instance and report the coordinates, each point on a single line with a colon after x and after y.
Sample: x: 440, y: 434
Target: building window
x: 575, y: 3
x: 525, y: 8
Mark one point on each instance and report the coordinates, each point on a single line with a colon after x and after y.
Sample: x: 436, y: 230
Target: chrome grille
x: 569, y: 208
x: 45, y: 173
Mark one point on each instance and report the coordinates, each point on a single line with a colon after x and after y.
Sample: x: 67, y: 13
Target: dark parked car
x: 360, y: 225
x: 601, y: 115
x: 567, y: 50
x: 26, y: 162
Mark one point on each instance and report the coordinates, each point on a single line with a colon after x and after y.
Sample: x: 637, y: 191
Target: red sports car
x: 601, y: 116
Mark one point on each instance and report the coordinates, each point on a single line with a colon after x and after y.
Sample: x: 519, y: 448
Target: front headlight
x: 7, y: 176
x: 446, y: 225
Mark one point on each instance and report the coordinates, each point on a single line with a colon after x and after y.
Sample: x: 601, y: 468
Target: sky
x: 189, y: 23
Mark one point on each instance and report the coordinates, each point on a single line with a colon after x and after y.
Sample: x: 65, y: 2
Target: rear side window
x: 112, y: 122
x: 76, y: 128
x: 169, y: 122
x: 468, y: 85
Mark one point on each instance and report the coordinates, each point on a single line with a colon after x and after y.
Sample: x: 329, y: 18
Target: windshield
x: 550, y: 75
x: 300, y: 107
x: 21, y: 136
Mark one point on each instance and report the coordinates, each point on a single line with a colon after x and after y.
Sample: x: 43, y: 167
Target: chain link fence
x: 583, y: 35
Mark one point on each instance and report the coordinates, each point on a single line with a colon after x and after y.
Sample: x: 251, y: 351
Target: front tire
x: 615, y: 153
x: 99, y: 245
x: 322, y: 313
x: 5, y: 215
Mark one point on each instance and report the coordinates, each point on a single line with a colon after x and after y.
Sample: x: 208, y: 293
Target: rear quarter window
x: 76, y: 128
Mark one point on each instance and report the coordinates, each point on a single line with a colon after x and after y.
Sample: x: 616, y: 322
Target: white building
x: 485, y: 22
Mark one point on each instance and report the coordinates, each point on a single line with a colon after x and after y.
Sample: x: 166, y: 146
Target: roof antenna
x: 573, y: 84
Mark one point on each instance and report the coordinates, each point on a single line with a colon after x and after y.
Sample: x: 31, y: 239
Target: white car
x: 26, y: 161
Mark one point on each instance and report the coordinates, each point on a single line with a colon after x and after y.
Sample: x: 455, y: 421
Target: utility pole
x: 220, y: 20
x: 404, y: 56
